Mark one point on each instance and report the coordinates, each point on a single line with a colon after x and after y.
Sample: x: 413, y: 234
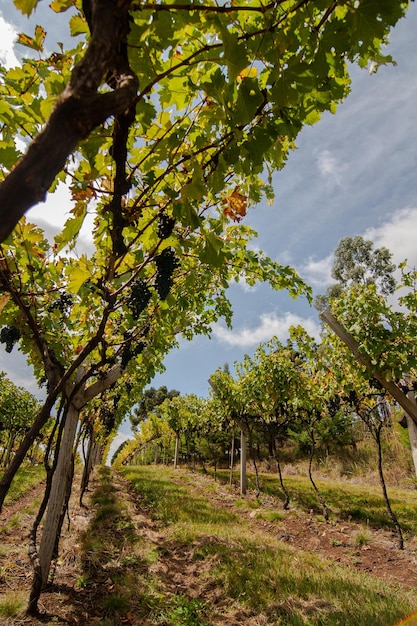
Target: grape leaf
x: 26, y: 6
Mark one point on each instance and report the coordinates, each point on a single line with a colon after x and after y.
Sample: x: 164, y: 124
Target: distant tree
x: 357, y: 262
x: 17, y: 409
x: 119, y: 450
x: 150, y: 400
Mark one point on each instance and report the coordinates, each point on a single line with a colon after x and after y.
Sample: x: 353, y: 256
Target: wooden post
x: 243, y: 482
x: 232, y: 459
x: 177, y: 445
x: 352, y: 344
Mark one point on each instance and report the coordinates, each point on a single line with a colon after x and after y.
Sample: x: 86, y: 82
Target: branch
x: 80, y: 109
x: 99, y: 386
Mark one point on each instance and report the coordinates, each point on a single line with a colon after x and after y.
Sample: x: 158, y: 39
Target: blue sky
x: 354, y: 172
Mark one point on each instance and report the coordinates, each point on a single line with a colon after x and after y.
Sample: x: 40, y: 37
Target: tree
x: 367, y: 398
x: 231, y: 404
x: 150, y: 400
x: 357, y: 262
x: 17, y: 409
x: 272, y: 384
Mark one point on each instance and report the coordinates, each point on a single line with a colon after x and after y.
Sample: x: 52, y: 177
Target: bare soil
x: 67, y: 602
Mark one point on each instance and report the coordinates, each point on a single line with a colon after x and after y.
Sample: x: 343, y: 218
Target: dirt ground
x: 68, y: 603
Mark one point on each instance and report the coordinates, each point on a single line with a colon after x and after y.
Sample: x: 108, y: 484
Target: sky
x: 353, y: 173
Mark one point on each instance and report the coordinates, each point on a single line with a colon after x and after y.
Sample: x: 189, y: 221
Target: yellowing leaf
x: 78, y: 25
x: 248, y: 72
x: 3, y: 301
x: 36, y: 42
x: 77, y: 276
x: 25, y: 6
x: 26, y: 40
x: 236, y: 205
x: 59, y: 6
x: 40, y: 34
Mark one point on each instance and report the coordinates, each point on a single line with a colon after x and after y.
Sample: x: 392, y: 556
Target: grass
x: 26, y: 478
x: 256, y: 573
x: 12, y: 603
x: 351, y: 501
x: 196, y: 564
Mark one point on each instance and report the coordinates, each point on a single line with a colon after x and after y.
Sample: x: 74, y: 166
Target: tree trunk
x: 281, y: 482
x: 232, y: 459
x: 310, y: 474
x: 390, y: 512
x: 243, y: 479
x: 88, y: 465
x: 35, y: 452
x: 59, y: 490
x: 9, y: 448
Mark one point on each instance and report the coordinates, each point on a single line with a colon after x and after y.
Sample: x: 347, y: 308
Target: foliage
x: 150, y: 399
x: 356, y: 263
x: 17, y: 406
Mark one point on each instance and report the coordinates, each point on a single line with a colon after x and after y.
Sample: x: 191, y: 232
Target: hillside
x: 158, y: 547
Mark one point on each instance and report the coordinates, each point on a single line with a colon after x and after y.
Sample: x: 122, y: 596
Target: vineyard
x: 158, y: 546
x: 164, y: 123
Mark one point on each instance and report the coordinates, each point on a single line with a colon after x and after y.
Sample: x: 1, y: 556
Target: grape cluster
x: 165, y: 263
x: 139, y: 298
x: 9, y: 335
x: 62, y: 304
x: 165, y: 225
x: 108, y: 419
x: 131, y: 351
x: 333, y: 405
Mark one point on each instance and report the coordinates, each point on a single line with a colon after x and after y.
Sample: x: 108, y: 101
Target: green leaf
x: 212, y: 252
x: 77, y: 275
x: 25, y: 6
x: 70, y: 231
x: 196, y: 189
x: 78, y: 25
x: 186, y: 214
x: 248, y: 101
x: 235, y: 54
x: 8, y: 155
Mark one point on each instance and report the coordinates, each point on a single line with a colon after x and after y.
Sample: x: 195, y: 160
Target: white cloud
x: 398, y: 234
x: 8, y: 36
x: 329, y: 167
x: 317, y: 272
x: 117, y: 441
x: 270, y: 325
